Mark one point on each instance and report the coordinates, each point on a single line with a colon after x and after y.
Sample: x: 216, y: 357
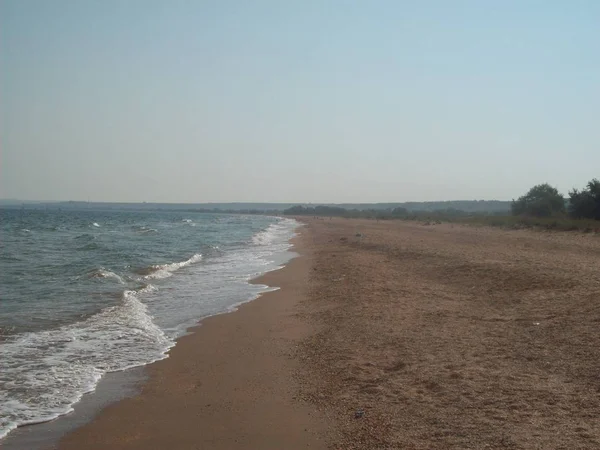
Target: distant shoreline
x: 473, y: 206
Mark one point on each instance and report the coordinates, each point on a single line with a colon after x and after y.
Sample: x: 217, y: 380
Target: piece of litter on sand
x: 359, y: 413
x: 536, y: 323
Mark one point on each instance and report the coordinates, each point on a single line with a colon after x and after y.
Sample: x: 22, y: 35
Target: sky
x: 297, y: 101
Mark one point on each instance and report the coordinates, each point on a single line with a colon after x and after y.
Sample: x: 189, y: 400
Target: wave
x: 144, y: 229
x: 189, y: 222
x: 166, y: 270
x: 104, y: 273
x: 274, y: 232
x: 44, y: 373
x: 146, y: 289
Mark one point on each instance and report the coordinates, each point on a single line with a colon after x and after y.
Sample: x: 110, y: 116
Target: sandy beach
x: 228, y: 385
x: 387, y: 335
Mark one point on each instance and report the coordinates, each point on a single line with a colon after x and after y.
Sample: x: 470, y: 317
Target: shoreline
x: 386, y: 335
x: 112, y: 387
x: 213, y: 390
x: 120, y: 385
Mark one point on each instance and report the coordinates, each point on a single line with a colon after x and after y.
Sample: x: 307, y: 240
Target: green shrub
x: 585, y: 204
x: 541, y: 200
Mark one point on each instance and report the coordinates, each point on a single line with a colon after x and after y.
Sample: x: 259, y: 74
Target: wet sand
x: 387, y: 335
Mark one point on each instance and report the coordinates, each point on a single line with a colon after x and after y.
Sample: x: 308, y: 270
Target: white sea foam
x: 166, y: 270
x: 104, y: 273
x: 276, y: 232
x: 147, y: 289
x: 42, y: 374
x: 144, y: 229
x: 190, y: 222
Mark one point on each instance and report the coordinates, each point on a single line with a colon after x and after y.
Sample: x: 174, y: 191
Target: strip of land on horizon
x: 387, y: 334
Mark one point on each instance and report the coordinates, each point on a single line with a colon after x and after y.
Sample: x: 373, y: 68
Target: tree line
x: 544, y: 200
x: 541, y: 201
x: 382, y: 214
x: 337, y: 211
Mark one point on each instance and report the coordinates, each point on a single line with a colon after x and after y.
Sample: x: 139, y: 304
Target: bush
x: 585, y: 204
x: 542, y: 200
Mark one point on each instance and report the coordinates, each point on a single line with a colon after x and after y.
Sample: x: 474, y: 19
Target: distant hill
x: 469, y: 206
x: 462, y: 205
x: 147, y: 206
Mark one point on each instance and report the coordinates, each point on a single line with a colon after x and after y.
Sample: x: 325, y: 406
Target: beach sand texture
x: 387, y: 335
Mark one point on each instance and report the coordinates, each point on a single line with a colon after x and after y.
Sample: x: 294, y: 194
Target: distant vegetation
x: 542, y: 207
x: 454, y: 208
x: 467, y: 206
x: 398, y: 212
x: 585, y: 204
x: 336, y: 211
x: 544, y: 200
x: 541, y: 223
x: 462, y: 205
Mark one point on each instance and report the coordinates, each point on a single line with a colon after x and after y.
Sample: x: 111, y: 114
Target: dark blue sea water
x: 83, y: 293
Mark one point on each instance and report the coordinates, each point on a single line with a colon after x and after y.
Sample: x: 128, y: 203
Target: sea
x: 87, y: 292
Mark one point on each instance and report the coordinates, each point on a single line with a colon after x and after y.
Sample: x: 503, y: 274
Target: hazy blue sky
x: 322, y: 101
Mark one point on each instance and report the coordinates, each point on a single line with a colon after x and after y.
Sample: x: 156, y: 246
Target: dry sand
x: 444, y: 336
x: 456, y: 337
